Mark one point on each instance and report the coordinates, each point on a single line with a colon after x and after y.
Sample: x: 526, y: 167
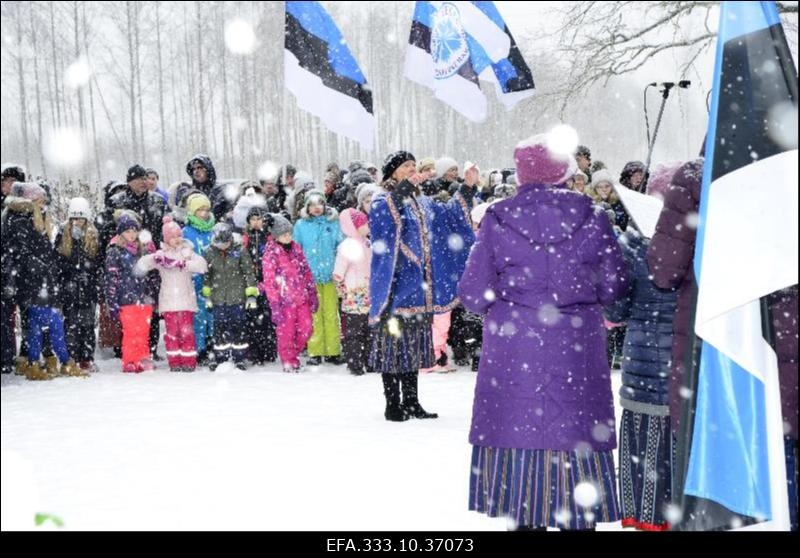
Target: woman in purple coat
x: 542, y: 430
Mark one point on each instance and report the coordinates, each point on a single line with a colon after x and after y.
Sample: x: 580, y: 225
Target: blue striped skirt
x: 645, y: 470
x: 544, y: 488
x: 407, y: 349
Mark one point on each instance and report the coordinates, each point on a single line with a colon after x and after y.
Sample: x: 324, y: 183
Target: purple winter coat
x: 670, y: 258
x: 543, y: 264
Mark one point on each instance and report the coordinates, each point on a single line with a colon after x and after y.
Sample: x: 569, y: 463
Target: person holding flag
x: 738, y: 458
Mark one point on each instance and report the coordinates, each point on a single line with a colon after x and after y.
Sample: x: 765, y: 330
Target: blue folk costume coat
x: 419, y: 251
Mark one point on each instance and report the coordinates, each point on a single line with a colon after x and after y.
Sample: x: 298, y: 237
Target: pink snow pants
x: 179, y: 339
x: 293, y: 330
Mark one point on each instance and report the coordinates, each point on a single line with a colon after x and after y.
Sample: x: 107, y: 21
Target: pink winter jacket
x: 176, y: 267
x: 287, y: 279
x: 351, y: 270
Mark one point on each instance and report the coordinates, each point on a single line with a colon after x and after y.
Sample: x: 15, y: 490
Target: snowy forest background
x: 91, y: 87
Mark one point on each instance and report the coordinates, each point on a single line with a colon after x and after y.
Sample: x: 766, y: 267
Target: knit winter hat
x: 393, y: 162
x: 603, y: 175
x: 444, y: 164
x: 223, y: 234
x: 280, y: 225
x: 256, y: 211
x: 359, y: 176
x: 536, y: 164
x: 127, y: 221
x: 170, y: 229
x: 426, y: 163
x: 14, y: 171
x: 79, y: 208
x: 367, y: 189
x: 28, y: 190
x: 134, y: 172
x: 197, y: 202
x: 359, y: 218
x: 314, y: 196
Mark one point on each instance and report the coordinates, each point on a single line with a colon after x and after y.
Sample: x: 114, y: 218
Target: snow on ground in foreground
x: 260, y: 450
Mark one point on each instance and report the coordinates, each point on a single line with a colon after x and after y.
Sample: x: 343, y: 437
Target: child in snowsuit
x: 260, y: 329
x: 351, y: 275
x: 128, y: 293
x: 198, y: 231
x: 80, y: 271
x: 176, y: 262
x: 229, y: 287
x: 291, y: 291
x: 318, y: 234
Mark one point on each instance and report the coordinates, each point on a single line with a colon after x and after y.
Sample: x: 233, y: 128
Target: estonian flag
x: 324, y: 76
x: 747, y: 246
x: 454, y: 44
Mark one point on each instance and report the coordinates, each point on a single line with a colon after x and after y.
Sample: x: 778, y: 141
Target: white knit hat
x: 79, y: 208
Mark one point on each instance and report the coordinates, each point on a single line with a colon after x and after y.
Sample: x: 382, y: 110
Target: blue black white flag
x: 747, y: 246
x: 323, y: 75
x: 455, y: 45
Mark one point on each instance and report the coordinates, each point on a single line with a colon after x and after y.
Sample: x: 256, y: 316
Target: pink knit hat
x: 359, y: 219
x: 170, y: 229
x: 536, y: 164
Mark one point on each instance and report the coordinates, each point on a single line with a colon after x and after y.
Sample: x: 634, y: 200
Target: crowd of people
x: 537, y: 279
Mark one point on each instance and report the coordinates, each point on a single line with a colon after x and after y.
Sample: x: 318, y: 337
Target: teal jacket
x: 319, y: 238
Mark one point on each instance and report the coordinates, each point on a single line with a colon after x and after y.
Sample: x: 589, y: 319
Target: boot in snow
x: 52, y: 365
x: 391, y: 391
x: 410, y: 398
x: 36, y: 373
x: 21, y: 366
x: 72, y: 369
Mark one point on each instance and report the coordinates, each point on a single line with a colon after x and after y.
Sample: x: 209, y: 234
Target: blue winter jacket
x: 649, y: 313
x: 200, y: 240
x: 419, y: 250
x: 319, y: 237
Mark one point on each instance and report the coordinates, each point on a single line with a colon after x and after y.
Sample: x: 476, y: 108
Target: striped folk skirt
x: 403, y: 345
x: 544, y: 488
x: 645, y: 470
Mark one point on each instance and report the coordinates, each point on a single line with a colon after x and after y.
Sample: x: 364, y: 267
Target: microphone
x: 670, y: 84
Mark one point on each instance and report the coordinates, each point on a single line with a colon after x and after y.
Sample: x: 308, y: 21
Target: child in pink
x: 290, y: 289
x: 176, y: 261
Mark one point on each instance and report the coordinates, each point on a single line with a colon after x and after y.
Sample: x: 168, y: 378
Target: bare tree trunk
x: 91, y: 95
x: 137, y: 45
x: 132, y: 89
x: 34, y: 44
x: 23, y: 97
x: 227, y: 128
x: 190, y: 95
x: 161, y: 89
x: 200, y: 72
x: 54, y: 63
x: 79, y: 90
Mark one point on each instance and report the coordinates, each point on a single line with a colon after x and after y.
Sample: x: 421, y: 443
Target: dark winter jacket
x: 205, y: 187
x: 783, y: 307
x: 29, y: 263
x: 149, y: 207
x: 255, y: 241
x: 79, y: 274
x: 620, y: 214
x: 670, y: 257
x: 124, y: 285
x: 544, y: 263
x: 229, y: 274
x: 648, y: 312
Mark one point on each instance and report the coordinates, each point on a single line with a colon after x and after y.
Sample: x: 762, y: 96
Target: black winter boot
x: 391, y: 391
x: 411, y: 399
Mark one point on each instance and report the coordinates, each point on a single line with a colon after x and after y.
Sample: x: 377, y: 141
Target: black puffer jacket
x: 79, y: 274
x: 29, y: 261
x: 648, y: 312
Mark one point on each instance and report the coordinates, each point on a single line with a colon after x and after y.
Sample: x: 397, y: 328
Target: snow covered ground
x: 233, y: 450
